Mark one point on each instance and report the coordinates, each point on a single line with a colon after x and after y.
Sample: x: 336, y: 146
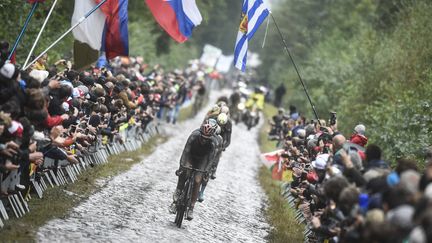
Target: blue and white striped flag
x: 254, y: 13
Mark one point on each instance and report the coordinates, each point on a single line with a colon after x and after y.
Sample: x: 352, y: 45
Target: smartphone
x: 332, y: 118
x: 73, y: 129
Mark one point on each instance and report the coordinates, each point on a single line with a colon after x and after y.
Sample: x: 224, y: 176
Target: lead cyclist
x: 198, y: 153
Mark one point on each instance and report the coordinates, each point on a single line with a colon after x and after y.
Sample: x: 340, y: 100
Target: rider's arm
x: 185, y: 157
x: 212, y: 155
x: 227, y: 140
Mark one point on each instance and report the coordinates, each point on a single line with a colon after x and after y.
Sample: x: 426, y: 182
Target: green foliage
x: 14, y: 13
x: 367, y: 60
x: 146, y: 37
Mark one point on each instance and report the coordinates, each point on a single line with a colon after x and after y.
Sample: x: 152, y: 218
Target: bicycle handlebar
x: 193, y: 169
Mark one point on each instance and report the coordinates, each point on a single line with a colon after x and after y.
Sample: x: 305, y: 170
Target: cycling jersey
x: 198, y: 151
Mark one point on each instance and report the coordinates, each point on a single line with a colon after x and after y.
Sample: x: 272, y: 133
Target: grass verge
x: 58, y: 201
x: 278, y: 213
x: 185, y: 113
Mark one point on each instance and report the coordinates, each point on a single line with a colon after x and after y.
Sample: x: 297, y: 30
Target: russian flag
x: 106, y: 30
x: 176, y: 17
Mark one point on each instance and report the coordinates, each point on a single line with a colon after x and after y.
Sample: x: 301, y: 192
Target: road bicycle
x: 184, y: 201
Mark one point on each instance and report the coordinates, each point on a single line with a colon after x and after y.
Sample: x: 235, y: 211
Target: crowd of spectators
x: 345, y: 189
x: 55, y: 111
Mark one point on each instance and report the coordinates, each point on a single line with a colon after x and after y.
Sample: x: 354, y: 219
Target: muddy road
x: 133, y: 207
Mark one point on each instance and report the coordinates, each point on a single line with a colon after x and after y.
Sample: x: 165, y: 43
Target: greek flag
x: 253, y: 14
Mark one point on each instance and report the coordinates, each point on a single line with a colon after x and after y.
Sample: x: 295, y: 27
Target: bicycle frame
x: 185, y: 199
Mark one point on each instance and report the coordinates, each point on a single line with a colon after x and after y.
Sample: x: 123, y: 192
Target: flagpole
x: 18, y: 39
x: 40, y: 33
x: 296, y: 69
x: 67, y: 32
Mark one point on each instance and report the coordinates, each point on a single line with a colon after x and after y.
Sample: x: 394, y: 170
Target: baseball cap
x: 320, y: 162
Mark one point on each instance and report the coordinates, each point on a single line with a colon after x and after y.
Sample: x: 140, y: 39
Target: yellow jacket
x: 255, y: 98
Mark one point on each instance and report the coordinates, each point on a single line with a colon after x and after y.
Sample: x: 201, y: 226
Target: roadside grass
x: 280, y: 216
x: 185, y: 113
x: 58, y: 201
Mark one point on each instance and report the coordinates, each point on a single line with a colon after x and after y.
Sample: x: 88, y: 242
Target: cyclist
x: 225, y: 132
x: 198, y: 153
x: 254, y: 104
x: 256, y: 98
x: 213, y: 112
x: 224, y: 139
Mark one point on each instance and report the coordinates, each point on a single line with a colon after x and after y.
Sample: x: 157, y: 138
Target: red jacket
x: 52, y: 121
x: 359, y: 139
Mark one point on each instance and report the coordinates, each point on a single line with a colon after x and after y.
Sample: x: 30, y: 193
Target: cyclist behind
x: 200, y: 96
x: 223, y: 137
x: 225, y: 125
x: 213, y: 112
x: 255, y: 102
x: 256, y: 98
x: 198, y: 153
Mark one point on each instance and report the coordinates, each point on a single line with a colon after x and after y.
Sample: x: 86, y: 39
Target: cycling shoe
x: 190, y: 214
x: 201, y: 196
x: 172, y: 208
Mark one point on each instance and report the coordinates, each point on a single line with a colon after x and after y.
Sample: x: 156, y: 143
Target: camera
x: 332, y: 118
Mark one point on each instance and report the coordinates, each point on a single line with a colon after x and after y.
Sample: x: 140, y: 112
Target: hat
x: 360, y: 129
x: 66, y: 83
x: 39, y: 75
x: 109, y: 85
x: 320, y: 162
x: 9, y: 71
x: 16, y: 129
x: 88, y: 81
x: 84, y: 89
x: 77, y: 93
x: 301, y: 133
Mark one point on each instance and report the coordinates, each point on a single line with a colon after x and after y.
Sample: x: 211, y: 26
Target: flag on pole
x: 106, y: 29
x: 176, y: 17
x: 253, y: 14
x: 115, y: 38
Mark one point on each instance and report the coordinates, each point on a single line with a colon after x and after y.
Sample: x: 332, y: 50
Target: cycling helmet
x: 225, y: 110
x: 208, y: 128
x: 214, y: 111
x: 222, y: 119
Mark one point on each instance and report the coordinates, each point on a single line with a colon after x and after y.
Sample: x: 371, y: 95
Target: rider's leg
x: 201, y: 193
x: 182, y: 177
x: 196, y: 188
x: 215, y: 165
x: 195, y: 191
